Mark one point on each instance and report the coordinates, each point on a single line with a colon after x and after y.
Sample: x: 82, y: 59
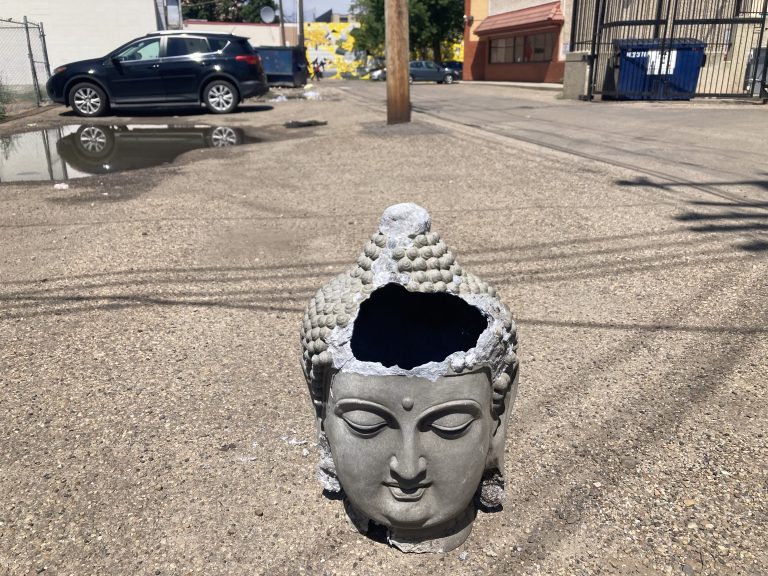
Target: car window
x: 218, y: 44
x: 240, y: 47
x: 185, y: 46
x: 146, y: 49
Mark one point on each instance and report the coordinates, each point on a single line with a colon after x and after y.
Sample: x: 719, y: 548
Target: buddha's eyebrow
x: 348, y: 404
x: 466, y: 405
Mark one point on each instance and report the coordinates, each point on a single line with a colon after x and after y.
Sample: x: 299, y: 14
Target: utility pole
x: 282, y: 23
x: 301, y: 23
x: 398, y: 88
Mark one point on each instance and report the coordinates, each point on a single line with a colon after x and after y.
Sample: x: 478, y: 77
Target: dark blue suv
x: 163, y: 68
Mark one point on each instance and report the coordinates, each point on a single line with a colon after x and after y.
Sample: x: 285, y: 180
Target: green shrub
x: 5, y: 97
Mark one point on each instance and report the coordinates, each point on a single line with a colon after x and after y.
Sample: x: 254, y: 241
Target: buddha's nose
x: 407, y: 463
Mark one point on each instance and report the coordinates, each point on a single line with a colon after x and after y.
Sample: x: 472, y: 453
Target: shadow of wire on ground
x: 644, y: 181
x: 732, y: 215
x: 730, y: 220
x: 135, y: 289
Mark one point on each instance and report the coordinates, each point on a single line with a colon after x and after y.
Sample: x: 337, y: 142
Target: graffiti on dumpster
x: 658, y: 62
x: 661, y: 62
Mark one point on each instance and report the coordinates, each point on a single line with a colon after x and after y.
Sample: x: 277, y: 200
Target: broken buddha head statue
x: 412, y: 369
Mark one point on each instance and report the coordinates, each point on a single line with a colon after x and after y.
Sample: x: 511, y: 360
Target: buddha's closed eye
x: 450, y: 425
x: 364, y: 423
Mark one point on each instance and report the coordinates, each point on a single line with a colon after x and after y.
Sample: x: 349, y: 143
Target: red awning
x: 546, y: 15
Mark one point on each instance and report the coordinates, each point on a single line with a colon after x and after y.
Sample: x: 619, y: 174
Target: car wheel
x: 95, y: 141
x: 220, y: 97
x: 448, y: 79
x: 410, y: 79
x: 223, y: 137
x: 88, y: 100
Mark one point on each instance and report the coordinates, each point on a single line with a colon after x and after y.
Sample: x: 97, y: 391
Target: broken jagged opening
x: 407, y: 329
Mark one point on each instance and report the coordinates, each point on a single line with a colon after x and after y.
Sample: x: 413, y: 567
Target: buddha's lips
x: 407, y: 493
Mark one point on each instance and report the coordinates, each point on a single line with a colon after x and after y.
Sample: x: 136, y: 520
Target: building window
x: 529, y: 48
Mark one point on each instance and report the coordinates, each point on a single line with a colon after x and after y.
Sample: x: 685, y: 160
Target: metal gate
x: 733, y: 32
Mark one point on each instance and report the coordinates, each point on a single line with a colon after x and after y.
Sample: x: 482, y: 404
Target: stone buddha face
x: 410, y: 453
x: 412, y: 369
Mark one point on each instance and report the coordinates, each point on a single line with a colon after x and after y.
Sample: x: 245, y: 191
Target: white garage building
x: 92, y: 28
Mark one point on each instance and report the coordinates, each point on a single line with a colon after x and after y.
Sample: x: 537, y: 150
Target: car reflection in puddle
x: 79, y: 151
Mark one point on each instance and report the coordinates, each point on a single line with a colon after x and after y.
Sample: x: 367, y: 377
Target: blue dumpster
x: 655, y: 69
x: 284, y: 66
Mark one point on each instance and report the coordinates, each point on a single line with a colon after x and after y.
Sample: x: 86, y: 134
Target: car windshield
x: 147, y: 49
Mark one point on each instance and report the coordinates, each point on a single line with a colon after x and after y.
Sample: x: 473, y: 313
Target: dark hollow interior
x: 407, y: 329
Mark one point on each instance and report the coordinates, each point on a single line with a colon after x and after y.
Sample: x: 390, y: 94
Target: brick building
x: 516, y: 40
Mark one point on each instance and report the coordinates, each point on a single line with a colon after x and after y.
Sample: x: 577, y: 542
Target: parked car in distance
x: 426, y: 70
x: 163, y: 68
x: 455, y: 65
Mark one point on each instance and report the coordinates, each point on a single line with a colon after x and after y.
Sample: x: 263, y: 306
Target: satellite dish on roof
x: 267, y: 14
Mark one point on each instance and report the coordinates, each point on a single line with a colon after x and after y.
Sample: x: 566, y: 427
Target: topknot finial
x: 406, y: 219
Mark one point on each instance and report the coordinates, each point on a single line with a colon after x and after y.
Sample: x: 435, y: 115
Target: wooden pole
x: 300, y: 10
x: 398, y: 88
x: 282, y: 23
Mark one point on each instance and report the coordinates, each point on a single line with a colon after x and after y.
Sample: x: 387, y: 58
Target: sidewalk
x: 526, y: 85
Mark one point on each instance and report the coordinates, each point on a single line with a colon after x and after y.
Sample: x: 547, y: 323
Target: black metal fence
x: 25, y: 68
x: 733, y: 31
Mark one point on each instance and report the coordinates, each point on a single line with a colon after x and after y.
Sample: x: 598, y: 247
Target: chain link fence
x: 24, y: 68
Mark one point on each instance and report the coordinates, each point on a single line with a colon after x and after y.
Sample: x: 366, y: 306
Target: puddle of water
x: 79, y: 150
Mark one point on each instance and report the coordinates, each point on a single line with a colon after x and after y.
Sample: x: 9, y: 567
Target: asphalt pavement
x: 155, y: 417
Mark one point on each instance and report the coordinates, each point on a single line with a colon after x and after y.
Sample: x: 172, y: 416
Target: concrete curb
x: 525, y: 85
